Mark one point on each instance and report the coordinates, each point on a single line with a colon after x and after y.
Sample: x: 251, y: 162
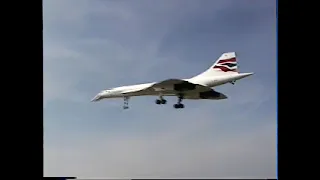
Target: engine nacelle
x: 211, y: 95
x: 184, y: 87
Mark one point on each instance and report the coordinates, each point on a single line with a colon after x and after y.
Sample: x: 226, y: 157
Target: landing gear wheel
x: 178, y: 106
x: 158, y: 101
x: 163, y: 101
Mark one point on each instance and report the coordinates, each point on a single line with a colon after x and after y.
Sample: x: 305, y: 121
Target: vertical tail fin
x: 227, y: 63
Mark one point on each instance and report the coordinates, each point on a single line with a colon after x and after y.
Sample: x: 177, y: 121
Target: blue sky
x: 90, y: 45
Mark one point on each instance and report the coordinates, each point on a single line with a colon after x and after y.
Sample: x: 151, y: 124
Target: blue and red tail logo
x: 227, y: 65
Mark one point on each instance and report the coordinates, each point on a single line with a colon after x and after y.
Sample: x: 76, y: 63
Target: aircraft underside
x: 190, y: 94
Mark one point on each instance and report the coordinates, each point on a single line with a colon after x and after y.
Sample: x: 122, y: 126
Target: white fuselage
x: 133, y: 90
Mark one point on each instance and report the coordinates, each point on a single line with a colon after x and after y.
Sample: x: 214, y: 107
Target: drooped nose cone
x: 96, y: 98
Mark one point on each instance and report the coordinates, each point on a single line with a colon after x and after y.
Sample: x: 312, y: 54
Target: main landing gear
x: 179, y: 105
x: 161, y: 100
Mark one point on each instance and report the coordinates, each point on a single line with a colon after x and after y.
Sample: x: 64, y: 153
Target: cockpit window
x: 106, y: 90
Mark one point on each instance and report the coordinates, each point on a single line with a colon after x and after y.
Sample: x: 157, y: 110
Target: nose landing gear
x: 126, y: 102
